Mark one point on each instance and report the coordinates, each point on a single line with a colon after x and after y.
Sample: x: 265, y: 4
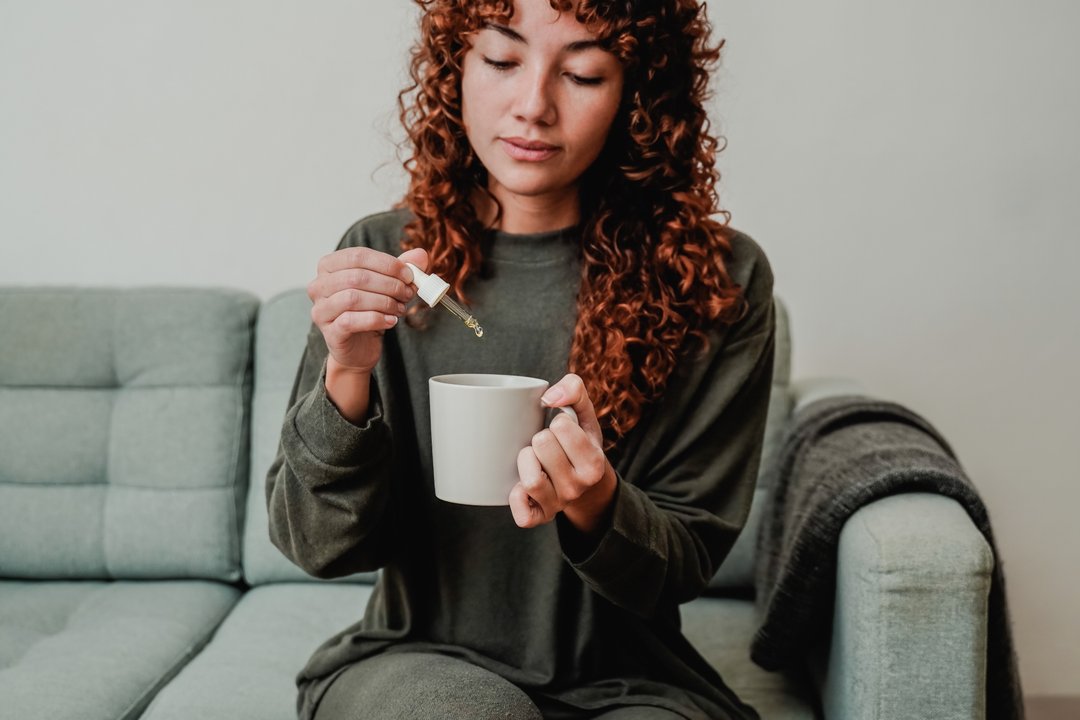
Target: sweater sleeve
x: 329, y: 491
x: 685, y: 487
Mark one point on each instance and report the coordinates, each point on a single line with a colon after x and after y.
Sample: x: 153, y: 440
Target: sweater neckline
x: 535, y: 246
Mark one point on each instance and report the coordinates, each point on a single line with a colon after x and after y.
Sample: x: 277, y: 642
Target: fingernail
x: 553, y: 395
x: 401, y: 307
x: 391, y: 319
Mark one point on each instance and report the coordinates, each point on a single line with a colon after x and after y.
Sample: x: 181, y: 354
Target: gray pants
x: 425, y: 686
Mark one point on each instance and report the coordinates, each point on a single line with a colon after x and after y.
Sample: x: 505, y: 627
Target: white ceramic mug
x: 479, y: 424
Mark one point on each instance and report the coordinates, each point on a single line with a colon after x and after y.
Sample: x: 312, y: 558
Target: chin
x: 530, y: 183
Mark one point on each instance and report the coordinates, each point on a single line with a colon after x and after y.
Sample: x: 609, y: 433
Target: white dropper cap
x: 430, y: 288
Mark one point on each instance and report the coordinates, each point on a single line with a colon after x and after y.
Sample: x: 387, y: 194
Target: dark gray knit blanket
x: 839, y: 454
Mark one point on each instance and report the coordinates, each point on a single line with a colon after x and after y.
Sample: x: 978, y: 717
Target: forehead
x: 536, y: 20
x: 546, y: 30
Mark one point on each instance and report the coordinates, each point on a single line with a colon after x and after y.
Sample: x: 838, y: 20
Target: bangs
x: 610, y: 22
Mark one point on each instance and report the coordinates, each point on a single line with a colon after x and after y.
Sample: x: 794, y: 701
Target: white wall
x: 910, y: 168
x: 193, y: 143
x: 913, y: 170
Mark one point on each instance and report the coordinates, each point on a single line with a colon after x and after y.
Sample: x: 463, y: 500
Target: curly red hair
x: 653, y: 258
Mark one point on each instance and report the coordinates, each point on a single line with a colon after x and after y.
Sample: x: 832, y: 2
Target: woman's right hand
x: 358, y: 294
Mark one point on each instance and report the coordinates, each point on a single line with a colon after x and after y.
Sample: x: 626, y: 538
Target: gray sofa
x: 137, y: 578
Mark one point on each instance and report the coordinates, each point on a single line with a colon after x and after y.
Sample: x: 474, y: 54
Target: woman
x: 562, y: 179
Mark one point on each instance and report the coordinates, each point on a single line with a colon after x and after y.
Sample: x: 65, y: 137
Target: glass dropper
x: 462, y: 314
x: 432, y: 289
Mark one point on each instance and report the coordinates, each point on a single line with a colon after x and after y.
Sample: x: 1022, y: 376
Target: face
x: 538, y: 99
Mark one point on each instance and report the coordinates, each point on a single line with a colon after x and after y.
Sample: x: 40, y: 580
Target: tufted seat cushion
x: 76, y: 650
x: 249, y: 670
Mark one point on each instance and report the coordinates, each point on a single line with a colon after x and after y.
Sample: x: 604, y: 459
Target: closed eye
x: 585, y: 80
x: 500, y: 65
x: 504, y: 65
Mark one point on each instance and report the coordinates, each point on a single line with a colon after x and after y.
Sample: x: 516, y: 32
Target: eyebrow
x: 576, y: 46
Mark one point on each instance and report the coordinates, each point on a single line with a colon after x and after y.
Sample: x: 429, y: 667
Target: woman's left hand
x: 565, y: 468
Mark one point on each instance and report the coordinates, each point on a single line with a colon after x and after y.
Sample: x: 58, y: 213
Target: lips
x: 528, y: 150
x: 530, y: 144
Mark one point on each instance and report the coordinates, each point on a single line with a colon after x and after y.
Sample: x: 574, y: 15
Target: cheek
x: 594, y: 120
x: 472, y: 92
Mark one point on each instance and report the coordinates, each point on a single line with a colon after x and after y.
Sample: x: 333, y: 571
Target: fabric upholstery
x: 123, y: 431
x: 737, y: 573
x: 124, y: 453
x: 899, y: 597
x: 249, y: 670
x: 721, y: 630
x: 84, y: 650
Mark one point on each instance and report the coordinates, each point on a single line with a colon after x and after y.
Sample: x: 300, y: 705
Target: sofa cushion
x: 736, y: 575
x: 83, y: 650
x: 280, y: 338
x: 721, y: 629
x: 123, y: 431
x: 249, y: 669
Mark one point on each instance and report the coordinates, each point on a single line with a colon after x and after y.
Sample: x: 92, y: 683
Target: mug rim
x: 521, y: 382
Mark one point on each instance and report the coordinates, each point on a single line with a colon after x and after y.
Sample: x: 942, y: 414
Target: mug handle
x: 551, y: 412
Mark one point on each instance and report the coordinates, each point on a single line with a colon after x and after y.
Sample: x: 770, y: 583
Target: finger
x: 552, y: 457
x: 587, y: 460
x: 364, y: 258
x: 537, y: 484
x: 526, y: 511
x: 366, y: 279
x: 351, y: 323
x: 325, y: 310
x: 416, y: 256
x: 570, y: 391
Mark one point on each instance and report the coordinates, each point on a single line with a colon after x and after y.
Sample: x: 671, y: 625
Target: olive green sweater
x: 594, y: 625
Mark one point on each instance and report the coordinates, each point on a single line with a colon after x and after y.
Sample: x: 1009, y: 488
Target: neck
x: 522, y: 214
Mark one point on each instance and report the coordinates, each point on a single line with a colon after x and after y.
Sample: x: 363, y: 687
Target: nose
x: 535, y: 102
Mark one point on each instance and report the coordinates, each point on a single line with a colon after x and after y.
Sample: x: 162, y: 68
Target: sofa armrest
x: 910, y: 618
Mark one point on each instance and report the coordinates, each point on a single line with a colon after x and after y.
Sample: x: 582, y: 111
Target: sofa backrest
x: 281, y: 335
x: 123, y: 431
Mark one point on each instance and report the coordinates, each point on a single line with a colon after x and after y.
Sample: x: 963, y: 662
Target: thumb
x: 416, y: 256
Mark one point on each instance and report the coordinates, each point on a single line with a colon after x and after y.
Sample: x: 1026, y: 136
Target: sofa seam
x: 119, y: 386
x: 7, y: 483
x: 879, y: 699
x: 179, y: 663
x: 875, y: 580
x: 113, y: 397
x: 946, y: 577
x: 234, y: 522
